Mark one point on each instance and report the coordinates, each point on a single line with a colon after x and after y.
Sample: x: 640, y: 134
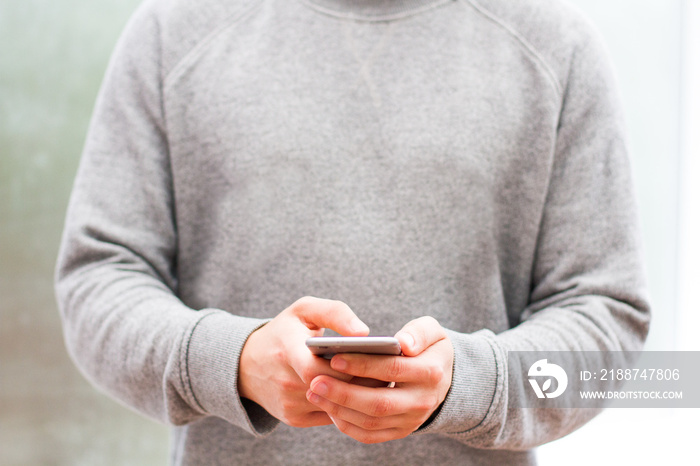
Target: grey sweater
x: 461, y: 159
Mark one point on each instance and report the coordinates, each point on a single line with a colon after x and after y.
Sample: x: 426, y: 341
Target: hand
x: 276, y: 366
x: 422, y: 377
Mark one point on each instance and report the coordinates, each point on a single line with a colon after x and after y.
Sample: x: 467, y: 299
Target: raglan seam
x: 201, y: 46
x: 529, y: 49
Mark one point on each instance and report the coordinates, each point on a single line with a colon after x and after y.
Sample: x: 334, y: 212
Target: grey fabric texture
x: 461, y: 159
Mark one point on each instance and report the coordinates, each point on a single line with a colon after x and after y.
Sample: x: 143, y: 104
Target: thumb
x: 419, y: 334
x: 316, y: 313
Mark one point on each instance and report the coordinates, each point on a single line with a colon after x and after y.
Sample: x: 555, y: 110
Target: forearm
x: 488, y: 403
x: 134, y: 339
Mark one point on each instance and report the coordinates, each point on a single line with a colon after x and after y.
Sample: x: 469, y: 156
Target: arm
x: 116, y: 279
x: 587, y: 293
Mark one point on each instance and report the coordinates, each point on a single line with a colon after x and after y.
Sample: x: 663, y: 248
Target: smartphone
x: 329, y: 346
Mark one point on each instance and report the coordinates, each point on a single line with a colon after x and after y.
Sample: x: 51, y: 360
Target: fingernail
x: 339, y: 364
x: 312, y: 397
x: 320, y: 389
x: 408, y: 339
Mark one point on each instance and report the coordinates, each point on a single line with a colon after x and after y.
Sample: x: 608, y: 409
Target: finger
x: 365, y: 382
x: 317, y: 313
x: 369, y: 436
x: 419, y: 334
x: 308, y: 366
x: 337, y: 412
x: 316, y: 419
x: 387, y: 368
x: 311, y: 417
x: 378, y: 402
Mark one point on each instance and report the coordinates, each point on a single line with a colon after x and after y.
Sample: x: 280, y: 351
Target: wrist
x: 246, y: 368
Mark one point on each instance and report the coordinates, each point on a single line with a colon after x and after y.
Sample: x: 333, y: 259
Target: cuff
x: 210, y: 369
x: 476, y: 377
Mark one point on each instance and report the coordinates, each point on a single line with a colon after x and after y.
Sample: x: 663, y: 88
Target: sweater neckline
x: 373, y: 10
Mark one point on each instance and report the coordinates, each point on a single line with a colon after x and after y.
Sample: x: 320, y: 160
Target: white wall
x: 655, y: 47
x: 689, y: 237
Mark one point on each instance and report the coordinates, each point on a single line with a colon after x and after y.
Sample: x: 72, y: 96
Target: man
x: 453, y: 170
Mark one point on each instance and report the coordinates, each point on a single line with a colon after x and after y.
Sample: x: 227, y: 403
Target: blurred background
x: 53, y: 54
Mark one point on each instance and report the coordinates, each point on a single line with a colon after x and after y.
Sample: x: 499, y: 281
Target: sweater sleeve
x: 116, y: 280
x: 587, y: 285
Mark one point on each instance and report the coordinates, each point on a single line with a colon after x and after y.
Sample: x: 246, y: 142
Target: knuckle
x: 435, y: 375
x: 366, y: 438
x: 431, y: 321
x: 395, y: 369
x: 427, y: 403
x: 288, y: 406
x: 334, y: 410
x: 302, y: 302
x: 279, y: 356
x: 287, y: 385
x: 381, y: 406
x: 427, y: 329
x: 357, y: 365
x: 425, y: 323
x: 340, y: 308
x: 342, y: 398
x: 371, y: 423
